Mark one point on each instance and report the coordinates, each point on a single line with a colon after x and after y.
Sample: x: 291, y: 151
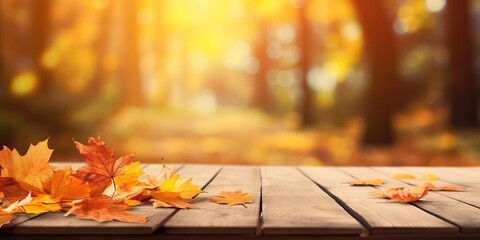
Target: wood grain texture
x: 459, y: 175
x: 293, y: 204
x: 471, y: 195
x: 56, y: 223
x: 465, y: 216
x: 379, y: 215
x: 214, y: 218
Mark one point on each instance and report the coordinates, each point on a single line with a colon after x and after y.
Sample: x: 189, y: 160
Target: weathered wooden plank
x: 293, y: 204
x: 458, y: 175
x: 378, y: 215
x: 56, y: 223
x: 472, y: 172
x: 471, y: 195
x: 213, y: 218
x: 463, y: 215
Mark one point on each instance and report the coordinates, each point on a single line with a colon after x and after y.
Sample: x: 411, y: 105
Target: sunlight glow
x: 321, y: 79
x: 24, y: 83
x: 435, y: 5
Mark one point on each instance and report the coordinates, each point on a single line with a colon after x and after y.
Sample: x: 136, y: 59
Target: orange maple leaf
x: 101, y: 165
x: 102, y: 209
x: 30, y: 170
x: 401, y: 194
x: 410, y: 195
x: 233, y: 198
x: 62, y: 185
x: 432, y: 187
x: 11, y: 189
x: 170, y: 199
x: 367, y: 182
x: 5, y: 217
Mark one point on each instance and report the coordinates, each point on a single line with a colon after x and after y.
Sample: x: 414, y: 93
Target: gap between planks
x: 294, y: 205
x: 462, y: 215
x: 214, y: 218
x: 379, y: 216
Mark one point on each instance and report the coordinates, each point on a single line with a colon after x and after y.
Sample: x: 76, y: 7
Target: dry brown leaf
x: 101, y: 165
x: 102, y: 209
x: 404, y: 176
x: 367, y: 182
x: 432, y: 187
x: 233, y: 198
x: 170, y: 199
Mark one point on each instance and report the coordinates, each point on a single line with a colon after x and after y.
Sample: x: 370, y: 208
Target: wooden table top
x: 289, y: 203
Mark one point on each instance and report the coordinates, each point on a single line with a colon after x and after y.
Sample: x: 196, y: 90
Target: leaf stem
x: 114, y: 188
x: 25, y: 211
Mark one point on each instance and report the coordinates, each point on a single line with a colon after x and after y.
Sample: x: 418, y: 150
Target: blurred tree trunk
x: 379, y: 41
x: 462, y: 84
x: 261, y: 95
x: 4, y: 78
x: 306, y: 106
x: 100, y: 77
x: 130, y: 80
x: 41, y: 26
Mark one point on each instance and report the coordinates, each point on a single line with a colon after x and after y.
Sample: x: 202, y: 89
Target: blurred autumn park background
x: 284, y: 82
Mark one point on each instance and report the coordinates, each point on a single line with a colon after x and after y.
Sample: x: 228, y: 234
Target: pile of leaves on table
x: 103, y: 190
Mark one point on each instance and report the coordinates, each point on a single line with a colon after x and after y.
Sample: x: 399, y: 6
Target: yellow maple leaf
x: 170, y: 199
x: 429, y: 176
x: 183, y: 186
x: 130, y: 175
x: 126, y: 183
x: 42, y: 204
x: 165, y: 174
x: 233, y: 198
x: 404, y: 176
x: 367, y: 182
